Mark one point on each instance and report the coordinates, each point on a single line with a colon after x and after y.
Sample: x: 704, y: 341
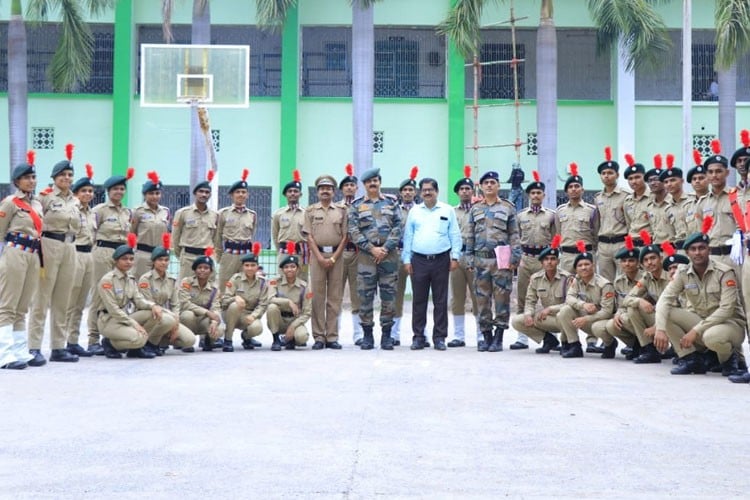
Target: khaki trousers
x: 609, y: 330
x: 234, y: 318
x: 529, y: 265
x: 199, y: 326
x: 722, y: 339
x: 350, y: 278
x: 19, y: 278
x: 461, y: 279
x: 278, y: 324
x: 125, y: 337
x: 605, y: 258
x: 640, y: 321
x: 540, y: 328
x: 103, y: 264
x: 83, y: 280
x: 229, y: 265
x: 569, y: 332
x: 143, y: 263
x: 327, y: 286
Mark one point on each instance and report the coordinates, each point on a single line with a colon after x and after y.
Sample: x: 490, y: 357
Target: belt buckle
x: 328, y: 249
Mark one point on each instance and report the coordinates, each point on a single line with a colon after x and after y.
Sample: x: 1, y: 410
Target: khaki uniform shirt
x: 193, y: 228
x: 112, y: 222
x: 550, y: 293
x: 60, y: 212
x: 150, y: 224
x: 15, y: 220
x: 161, y: 291
x: 636, y: 213
x: 611, y: 209
x: 724, y: 226
x: 536, y: 228
x: 680, y: 211
x: 694, y: 213
x: 598, y: 291
x: 236, y: 224
x: 298, y: 293
x: 199, y: 300
x: 578, y: 222
x: 462, y: 216
x: 85, y: 234
x: 118, y: 296
x: 375, y: 223
x: 328, y: 226
x: 661, y: 220
x: 623, y: 285
x: 286, y: 225
x: 647, y: 287
x: 256, y: 293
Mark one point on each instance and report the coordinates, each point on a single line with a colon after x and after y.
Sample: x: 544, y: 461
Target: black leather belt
x: 328, y: 249
x: 531, y: 250
x: 194, y: 250
x: 575, y: 249
x: 22, y: 241
x: 83, y: 248
x: 431, y: 256
x: 287, y: 314
x: 463, y: 248
x: 637, y: 242
x: 612, y: 239
x: 237, y: 246
x: 722, y: 250
x: 145, y: 248
x: 54, y: 236
x: 108, y: 244
x: 484, y: 254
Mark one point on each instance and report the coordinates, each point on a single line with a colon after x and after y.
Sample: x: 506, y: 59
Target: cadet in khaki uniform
x: 194, y: 228
x: 161, y: 288
x: 462, y: 278
x: 83, y: 278
x: 407, y: 191
x: 547, y: 287
x: 200, y: 304
x: 326, y: 232
x: 60, y: 223
x: 636, y: 203
x: 286, y: 225
x: 245, y: 300
x: 718, y: 206
x: 150, y: 221
x: 125, y: 318
x: 234, y: 236
x: 348, y: 187
x: 713, y: 317
x: 112, y: 226
x: 290, y: 307
x: 610, y: 205
x: 698, y: 180
x: 576, y: 220
x: 672, y: 179
x: 660, y: 215
x: 590, y: 298
x: 536, y: 226
x: 21, y: 228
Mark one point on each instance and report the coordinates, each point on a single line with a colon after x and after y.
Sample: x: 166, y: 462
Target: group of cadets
x: 652, y: 267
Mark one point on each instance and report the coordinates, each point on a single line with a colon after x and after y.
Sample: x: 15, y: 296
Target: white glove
x: 736, y: 254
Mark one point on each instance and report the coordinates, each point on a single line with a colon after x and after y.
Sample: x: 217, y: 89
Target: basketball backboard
x: 175, y: 76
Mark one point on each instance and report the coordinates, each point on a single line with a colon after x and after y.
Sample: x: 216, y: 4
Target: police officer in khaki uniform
x: 547, y: 288
x: 125, y: 318
x: 21, y: 227
x: 636, y: 203
x: 407, y: 191
x: 83, y: 278
x: 286, y: 225
x: 610, y: 204
x: 290, y: 307
x: 234, y: 236
x: 326, y: 232
x: 245, y: 300
x: 200, y: 304
x: 713, y: 317
x: 112, y: 226
x: 150, y: 221
x: 673, y: 183
x: 60, y: 223
x: 660, y: 215
x: 348, y: 187
x: 194, y: 228
x: 590, y: 298
x: 576, y: 220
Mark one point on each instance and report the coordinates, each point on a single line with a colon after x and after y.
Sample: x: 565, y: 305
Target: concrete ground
x: 358, y: 424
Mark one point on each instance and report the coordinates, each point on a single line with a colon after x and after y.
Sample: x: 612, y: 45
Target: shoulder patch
x: 731, y: 283
x: 2, y: 214
x: 273, y: 282
x: 309, y: 295
x: 143, y: 285
x: 228, y: 284
x: 609, y: 295
x: 186, y: 286
x: 639, y: 284
x: 107, y: 285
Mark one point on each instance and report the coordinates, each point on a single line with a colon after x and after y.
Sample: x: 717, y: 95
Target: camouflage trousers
x: 492, y: 283
x: 369, y: 277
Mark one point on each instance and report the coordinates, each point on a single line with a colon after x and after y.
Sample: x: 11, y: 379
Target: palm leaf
x: 272, y: 13
x: 166, y: 20
x: 71, y: 62
x: 732, y: 31
x: 462, y: 25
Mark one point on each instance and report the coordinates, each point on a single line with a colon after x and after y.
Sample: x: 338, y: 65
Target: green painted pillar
x: 289, y: 98
x: 122, y: 91
x: 456, y: 116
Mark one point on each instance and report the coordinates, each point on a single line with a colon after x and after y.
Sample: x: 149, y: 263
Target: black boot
x: 79, y: 351
x: 692, y: 363
x: 710, y: 361
x: 289, y: 343
x: 634, y: 352
x: 276, y: 346
x: 549, y: 342
x: 648, y: 355
x: 140, y: 354
x: 497, y: 341
x: 368, y: 342
x: 574, y: 351
x: 228, y: 347
x: 610, y: 350
x: 592, y: 348
x: 386, y: 342
x: 63, y: 355
x: 564, y: 347
x: 109, y: 349
x: 153, y: 348
x: 669, y: 353
x: 729, y: 367
x: 38, y: 359
x: 483, y: 345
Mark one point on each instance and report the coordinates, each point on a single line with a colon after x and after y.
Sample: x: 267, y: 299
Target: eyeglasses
x: 428, y: 190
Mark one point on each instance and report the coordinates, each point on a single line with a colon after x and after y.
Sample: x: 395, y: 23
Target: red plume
x: 716, y: 146
x: 629, y: 158
x: 69, y: 151
x: 629, y: 243
x: 467, y: 171
x: 697, y: 158
x: 536, y: 176
x: 210, y: 175
x: 153, y: 177
x: 670, y: 161
x: 556, y: 240
x: 608, y: 153
x: 166, y: 240
x: 256, y: 248
x: 645, y: 237
x: 132, y: 240
x: 30, y: 157
x: 745, y: 138
x: 296, y: 176
x: 209, y: 250
x: 46, y: 190
x: 581, y: 246
x: 668, y: 249
x: 245, y: 173
x: 89, y: 171
x: 708, y: 221
x: 349, y: 169
x: 291, y: 248
x: 129, y: 173
x: 657, y: 161
x: 574, y: 169
x: 413, y: 173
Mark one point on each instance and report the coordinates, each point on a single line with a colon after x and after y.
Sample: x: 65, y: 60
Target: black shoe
x: 289, y: 345
x: 689, y: 364
x: 484, y: 344
x: 417, y: 343
x: 333, y: 345
x: 276, y: 346
x: 218, y: 343
x: 79, y: 351
x: 253, y: 343
x: 497, y: 341
x: 635, y: 351
x: 15, y: 365
x: 741, y: 364
x: 592, y: 348
x: 548, y: 344
x: 248, y: 344
x: 227, y: 346
x: 63, y: 355
x: 96, y: 349
x: 386, y: 342
x: 427, y: 342
x: 38, y: 359
x: 396, y: 342
x: 440, y: 345
x: 188, y: 349
x: 710, y: 361
x: 729, y: 367
x: 518, y: 345
x: 109, y: 349
x: 318, y: 345
x: 610, y: 351
x: 140, y: 354
x: 456, y: 343
x: 153, y: 349
x: 162, y: 349
x: 358, y: 342
x: 574, y: 351
x: 743, y: 378
x: 564, y: 346
x: 649, y: 355
x: 368, y: 342
x: 626, y: 351
x: 669, y: 353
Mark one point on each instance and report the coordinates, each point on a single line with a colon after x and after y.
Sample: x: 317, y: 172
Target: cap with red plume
x: 744, y: 151
x: 672, y: 257
x: 129, y: 173
x: 153, y: 183
x: 574, y: 178
x: 702, y: 236
x: 117, y: 180
x: 412, y: 180
x: 350, y: 177
x: 629, y: 251
x: 295, y: 183
x: 30, y: 157
x: 252, y: 256
x: 290, y: 258
x: 716, y: 157
x: 242, y: 183
x: 126, y: 249
x: 648, y: 247
x: 24, y: 168
x: 608, y: 164
x: 537, y: 184
x: 163, y: 249
x: 671, y: 170
x: 583, y: 253
x: 466, y: 181
x: 698, y: 166
x: 87, y: 181
x: 205, y: 259
x: 206, y: 184
x: 633, y: 167
x: 65, y: 164
x: 553, y: 249
x: 89, y: 171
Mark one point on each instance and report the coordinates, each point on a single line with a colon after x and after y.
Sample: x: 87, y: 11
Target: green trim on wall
x: 380, y: 100
x: 289, y: 99
x: 532, y: 102
x: 121, y: 86
x: 137, y: 97
x: 52, y: 95
x: 456, y: 116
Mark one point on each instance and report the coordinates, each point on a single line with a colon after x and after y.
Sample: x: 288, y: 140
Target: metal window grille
x: 43, y: 137
x: 702, y: 143
x: 378, y: 141
x: 216, y: 139
x: 531, y: 144
x: 497, y: 79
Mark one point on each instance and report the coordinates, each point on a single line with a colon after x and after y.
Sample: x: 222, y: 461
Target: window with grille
x: 531, y: 144
x: 43, y: 137
x: 702, y: 143
x: 496, y: 79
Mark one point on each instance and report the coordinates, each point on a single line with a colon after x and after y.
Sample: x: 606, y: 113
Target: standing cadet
x: 660, y: 215
x: 636, y: 203
x: 739, y: 160
x: 712, y: 318
x: 60, y: 223
x: 194, y: 228
x: 536, y: 226
x: 462, y: 278
x: 150, y: 221
x: 286, y: 225
x: 494, y: 251
x: 112, y: 226
x: 290, y: 306
x: 576, y: 221
x: 234, y: 235
x: 21, y: 228
x: 200, y: 304
x: 375, y: 227
x: 408, y: 192
x: 672, y: 179
x: 718, y: 206
x: 698, y: 179
x: 82, y: 282
x: 326, y: 231
x: 245, y: 300
x: 548, y: 288
x: 610, y: 204
x: 348, y: 187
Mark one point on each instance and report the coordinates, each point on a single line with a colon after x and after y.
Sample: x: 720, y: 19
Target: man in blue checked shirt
x: 432, y: 247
